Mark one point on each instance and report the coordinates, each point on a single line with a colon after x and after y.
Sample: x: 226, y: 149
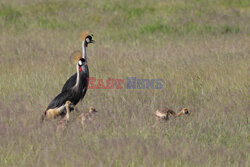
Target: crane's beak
x: 92, y: 41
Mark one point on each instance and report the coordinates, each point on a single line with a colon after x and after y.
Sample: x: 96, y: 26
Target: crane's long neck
x: 179, y: 114
x: 175, y: 114
x: 84, y: 55
x: 67, y: 112
x: 77, y: 76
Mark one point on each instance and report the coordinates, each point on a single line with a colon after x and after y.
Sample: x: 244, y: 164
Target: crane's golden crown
x: 76, y: 56
x: 84, y: 35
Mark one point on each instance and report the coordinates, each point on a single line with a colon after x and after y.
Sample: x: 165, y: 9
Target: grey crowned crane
x: 86, y: 39
x: 74, y: 94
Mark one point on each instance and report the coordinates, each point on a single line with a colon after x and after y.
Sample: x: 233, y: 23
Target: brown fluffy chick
x: 164, y: 113
x: 87, y: 116
x: 62, y: 124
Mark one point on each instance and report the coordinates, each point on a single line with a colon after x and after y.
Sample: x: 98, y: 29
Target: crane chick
x: 163, y: 113
x: 87, y: 116
x: 62, y: 124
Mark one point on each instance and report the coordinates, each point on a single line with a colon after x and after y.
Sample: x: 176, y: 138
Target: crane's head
x: 92, y: 110
x: 185, y: 111
x: 76, y: 58
x: 69, y: 104
x: 81, y: 63
x: 86, y: 39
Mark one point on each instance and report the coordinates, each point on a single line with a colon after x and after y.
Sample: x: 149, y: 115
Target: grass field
x: 199, y: 48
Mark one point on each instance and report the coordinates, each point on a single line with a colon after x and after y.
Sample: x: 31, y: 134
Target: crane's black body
x: 72, y: 81
x: 71, y: 93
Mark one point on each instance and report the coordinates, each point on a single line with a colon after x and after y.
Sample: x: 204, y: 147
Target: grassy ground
x: 199, y: 48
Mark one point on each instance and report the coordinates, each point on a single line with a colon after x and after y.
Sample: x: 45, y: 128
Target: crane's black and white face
x: 89, y: 40
x: 81, y: 63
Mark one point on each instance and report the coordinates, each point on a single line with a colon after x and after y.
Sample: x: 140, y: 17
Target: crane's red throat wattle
x: 80, y: 69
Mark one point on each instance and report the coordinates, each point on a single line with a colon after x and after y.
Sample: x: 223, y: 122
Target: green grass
x: 199, y: 48
x: 188, y: 28
x: 9, y: 14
